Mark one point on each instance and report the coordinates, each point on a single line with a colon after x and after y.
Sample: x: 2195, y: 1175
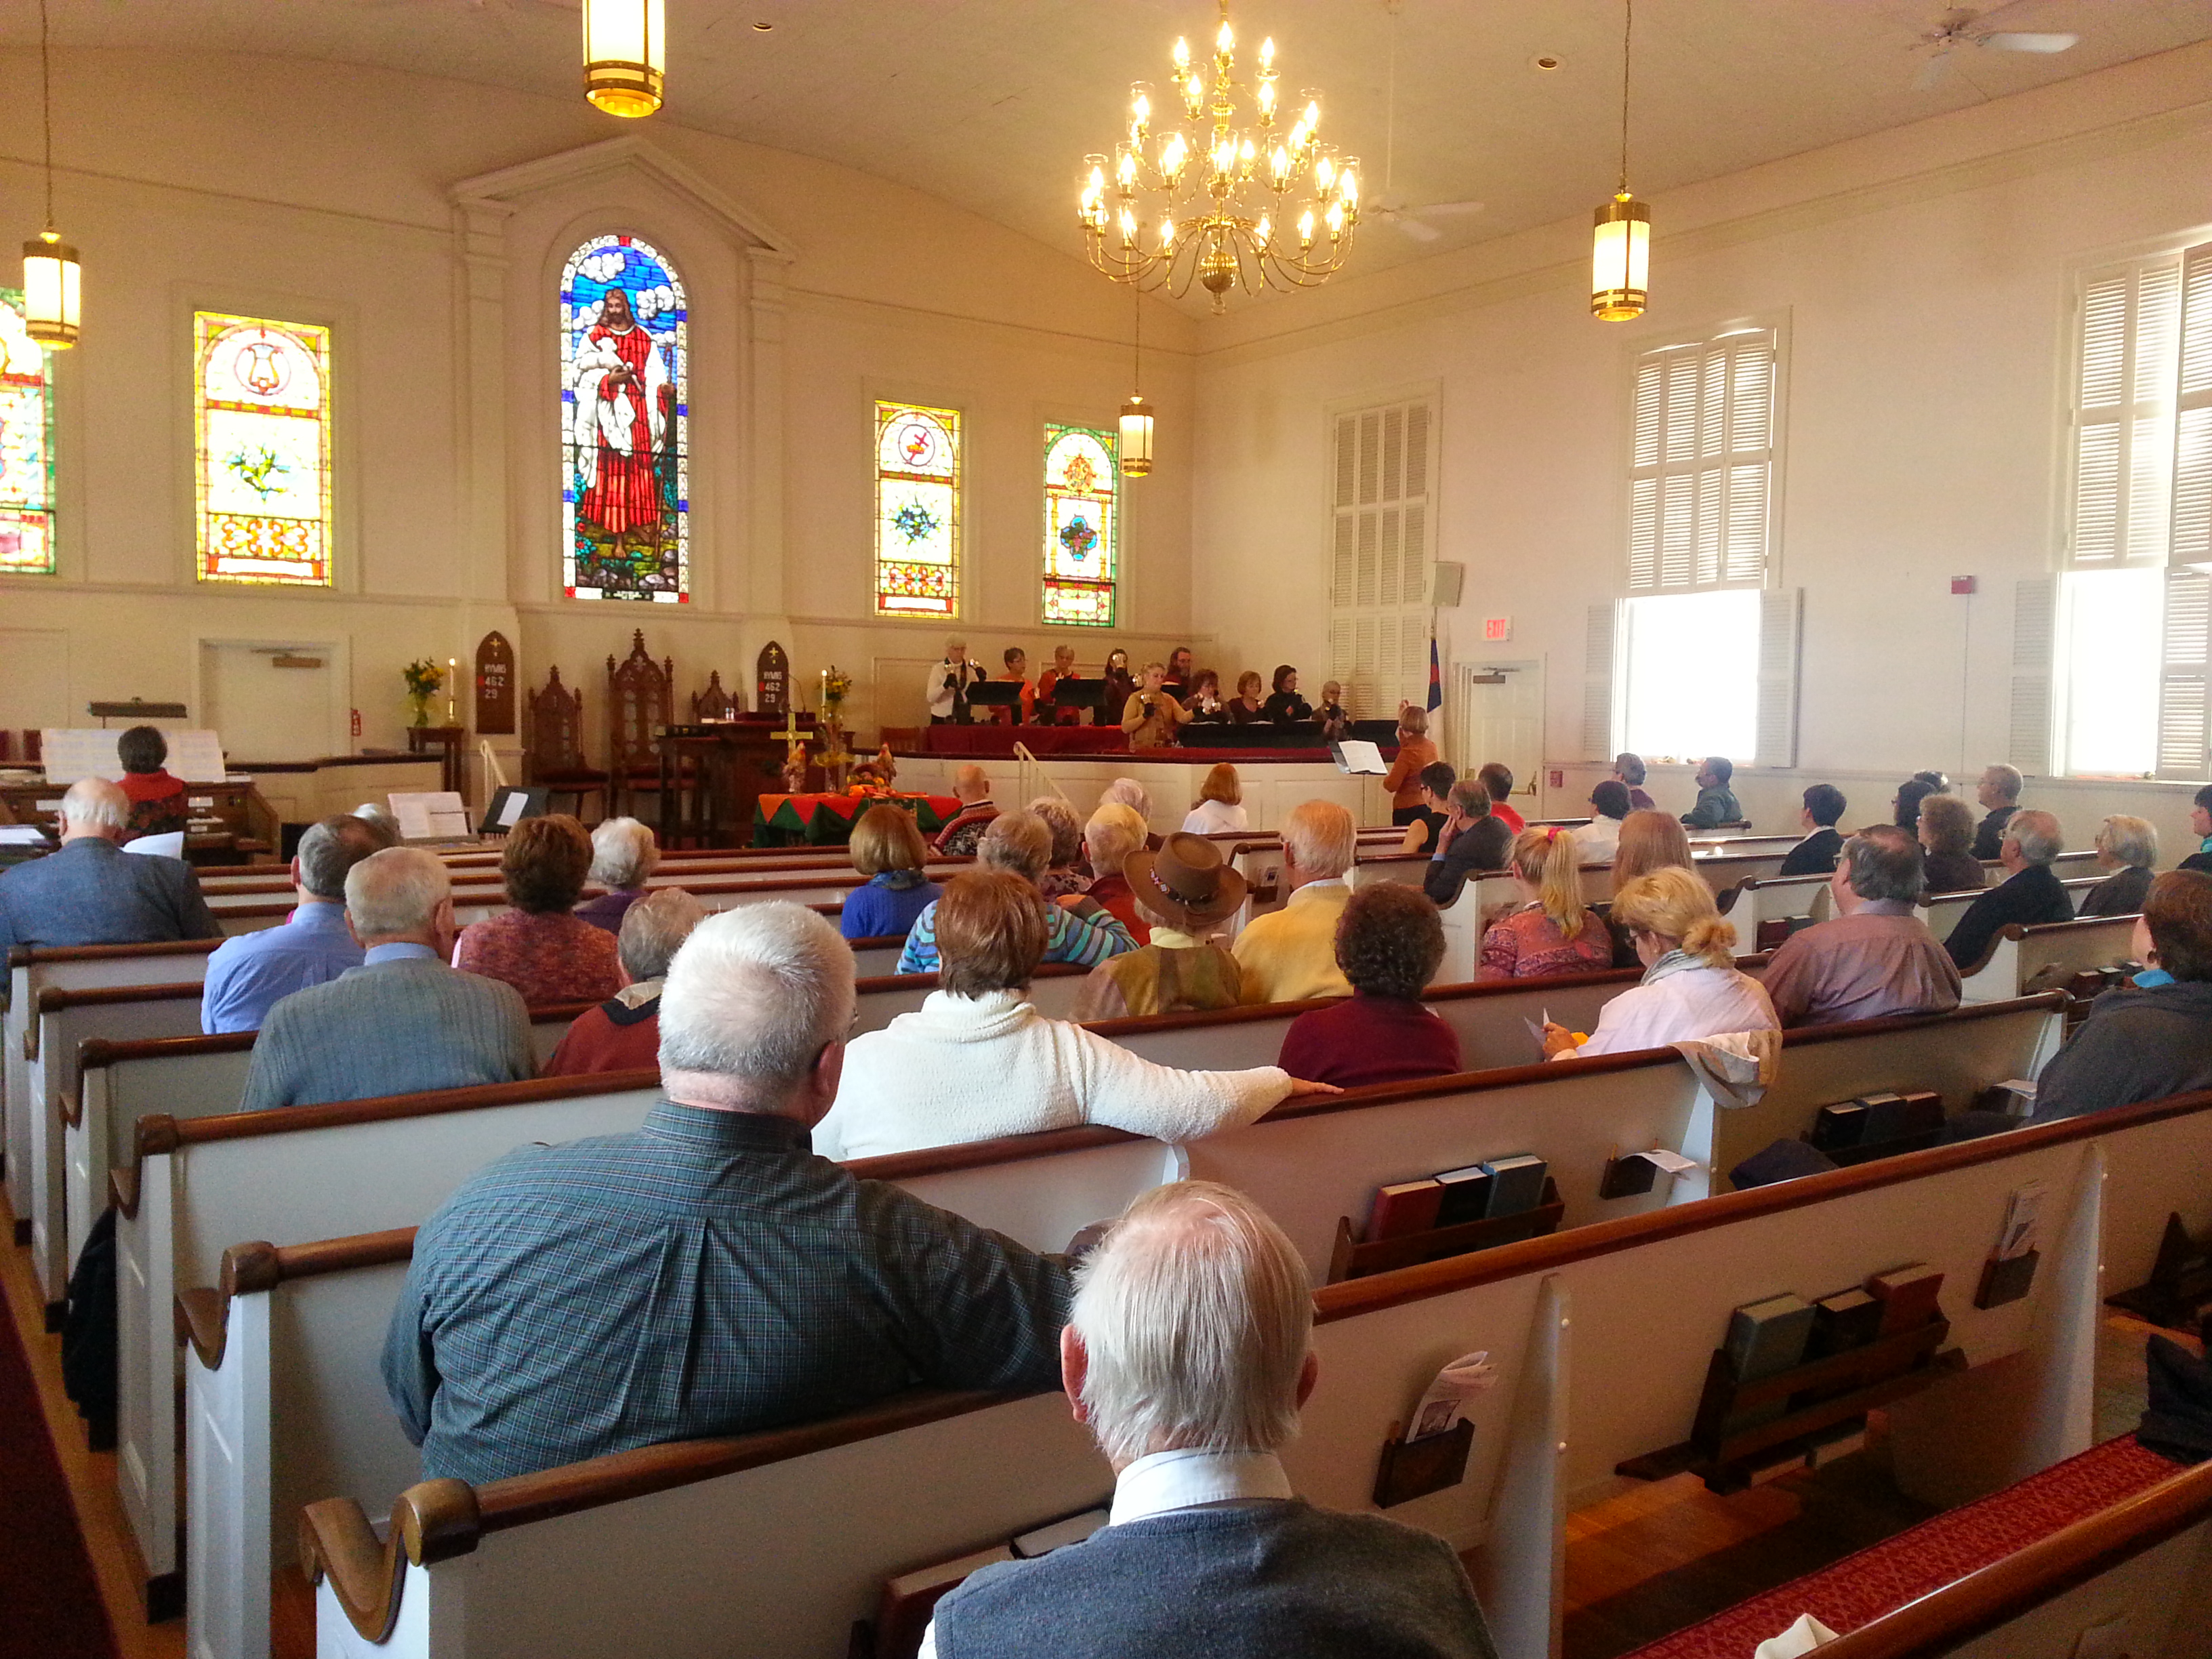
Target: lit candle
x: 452, y: 677
x: 823, y: 703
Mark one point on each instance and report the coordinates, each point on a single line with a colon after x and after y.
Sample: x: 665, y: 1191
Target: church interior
x: 675, y: 409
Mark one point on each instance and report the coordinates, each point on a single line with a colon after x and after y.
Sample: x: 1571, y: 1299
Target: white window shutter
x: 2192, y: 515
x: 1780, y: 614
x: 1701, y: 466
x: 1597, y: 682
x: 2034, y: 605
x: 2185, y: 683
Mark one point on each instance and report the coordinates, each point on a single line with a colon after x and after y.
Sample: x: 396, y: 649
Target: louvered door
x: 1382, y: 559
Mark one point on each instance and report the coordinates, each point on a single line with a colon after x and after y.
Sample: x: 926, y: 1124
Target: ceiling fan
x: 1413, y: 221
x: 1961, y: 26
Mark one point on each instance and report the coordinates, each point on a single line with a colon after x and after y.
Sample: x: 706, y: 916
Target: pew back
x: 2023, y: 959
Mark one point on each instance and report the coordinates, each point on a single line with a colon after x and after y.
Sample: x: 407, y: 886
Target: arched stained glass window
x: 917, y: 511
x: 625, y: 421
x: 1082, y: 525
x: 263, y: 430
x: 27, y: 447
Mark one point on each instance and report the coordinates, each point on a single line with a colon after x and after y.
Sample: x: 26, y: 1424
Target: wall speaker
x: 1450, y: 579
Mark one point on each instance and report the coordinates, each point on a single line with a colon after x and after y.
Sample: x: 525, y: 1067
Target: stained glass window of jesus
x: 27, y: 447
x: 625, y: 425
x: 917, y: 511
x: 1082, y: 525
x: 263, y: 436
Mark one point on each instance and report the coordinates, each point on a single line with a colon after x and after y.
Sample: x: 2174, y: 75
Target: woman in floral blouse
x: 539, y: 947
x: 1551, y: 931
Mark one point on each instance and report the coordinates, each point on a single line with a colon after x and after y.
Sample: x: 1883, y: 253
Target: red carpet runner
x: 49, y: 1605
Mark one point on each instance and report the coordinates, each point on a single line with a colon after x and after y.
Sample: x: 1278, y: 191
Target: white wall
x: 1924, y: 276
x: 335, y: 202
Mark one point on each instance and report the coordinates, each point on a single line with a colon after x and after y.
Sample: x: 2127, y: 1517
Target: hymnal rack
x: 1819, y: 1396
x: 1353, y: 1260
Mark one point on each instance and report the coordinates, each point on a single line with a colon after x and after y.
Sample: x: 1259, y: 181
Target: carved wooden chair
x: 641, y: 700
x: 714, y: 703
x: 553, y: 744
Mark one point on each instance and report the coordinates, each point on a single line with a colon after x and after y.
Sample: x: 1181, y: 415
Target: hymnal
x: 1045, y: 1539
x: 1923, y: 1112
x: 1847, y: 1319
x: 1465, y: 1194
x: 1907, y: 1295
x: 1517, y: 1184
x: 1885, y: 1118
x: 1405, y: 1209
x: 1840, y: 1126
x: 909, y: 1599
x: 431, y: 815
x: 1769, y: 1336
x: 1356, y: 757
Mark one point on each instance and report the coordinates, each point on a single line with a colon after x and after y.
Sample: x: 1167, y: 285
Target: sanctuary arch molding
x: 515, y: 228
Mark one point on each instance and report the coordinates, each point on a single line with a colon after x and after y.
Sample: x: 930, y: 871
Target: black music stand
x: 998, y: 694
x: 1071, y: 693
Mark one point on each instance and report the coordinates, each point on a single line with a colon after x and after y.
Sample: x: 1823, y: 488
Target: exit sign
x: 1497, y: 628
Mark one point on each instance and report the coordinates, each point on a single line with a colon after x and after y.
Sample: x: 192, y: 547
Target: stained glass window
x: 1082, y: 525
x: 27, y: 447
x: 917, y: 511
x: 262, y: 423
x: 625, y: 425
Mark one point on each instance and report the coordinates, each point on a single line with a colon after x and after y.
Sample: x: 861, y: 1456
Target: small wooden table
x: 446, y: 740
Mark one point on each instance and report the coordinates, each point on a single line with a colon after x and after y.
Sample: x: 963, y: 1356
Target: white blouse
x: 1697, y: 1002
x: 1215, y: 817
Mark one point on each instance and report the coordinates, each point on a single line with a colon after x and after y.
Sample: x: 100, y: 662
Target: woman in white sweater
x: 1691, y: 987
x: 977, y: 1061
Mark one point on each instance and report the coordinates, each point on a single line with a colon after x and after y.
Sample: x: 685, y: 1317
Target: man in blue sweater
x: 1207, y: 1551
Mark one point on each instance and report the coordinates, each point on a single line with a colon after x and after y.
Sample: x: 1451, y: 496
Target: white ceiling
x: 991, y: 104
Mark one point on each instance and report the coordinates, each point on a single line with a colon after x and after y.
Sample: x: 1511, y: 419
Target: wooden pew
x: 31, y: 969
x: 2116, y: 1533
x: 1309, y: 1165
x: 640, y: 1557
x: 181, y: 1078
x: 2021, y: 959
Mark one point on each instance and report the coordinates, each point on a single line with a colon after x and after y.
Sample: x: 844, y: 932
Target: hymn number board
x: 495, y: 685
x: 774, y: 682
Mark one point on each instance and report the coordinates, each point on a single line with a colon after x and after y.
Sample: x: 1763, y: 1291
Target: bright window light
x: 2113, y: 622
x: 1693, y: 675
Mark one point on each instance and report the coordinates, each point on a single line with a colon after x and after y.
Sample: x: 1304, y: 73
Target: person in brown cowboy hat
x: 1182, y: 892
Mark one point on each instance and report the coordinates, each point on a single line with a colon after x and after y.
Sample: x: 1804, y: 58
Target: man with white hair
x: 2030, y: 893
x: 706, y: 1273
x: 1187, y: 1356
x: 971, y: 787
x: 623, y: 1034
x: 1289, y: 954
x: 250, y: 973
x: 92, y: 892
x: 401, y: 1022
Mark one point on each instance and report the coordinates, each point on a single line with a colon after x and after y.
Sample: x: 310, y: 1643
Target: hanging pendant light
x: 625, y: 55
x: 51, y: 280
x: 1620, y: 251
x: 1137, y: 414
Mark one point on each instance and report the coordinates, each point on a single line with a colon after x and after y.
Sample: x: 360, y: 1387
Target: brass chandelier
x: 1201, y: 198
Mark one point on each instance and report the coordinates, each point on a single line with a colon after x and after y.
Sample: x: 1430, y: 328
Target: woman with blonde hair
x: 1416, y: 751
x: 1551, y: 931
x: 1946, y: 834
x: 1691, y: 988
x: 1650, y: 840
x: 887, y: 848
x: 2129, y: 847
x: 1219, y: 808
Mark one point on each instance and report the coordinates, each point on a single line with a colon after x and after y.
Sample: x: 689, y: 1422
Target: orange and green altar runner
x: 828, y: 820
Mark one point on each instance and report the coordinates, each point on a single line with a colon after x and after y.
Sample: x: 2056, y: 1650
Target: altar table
x: 828, y: 820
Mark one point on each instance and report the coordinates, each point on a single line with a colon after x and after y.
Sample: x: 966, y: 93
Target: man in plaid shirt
x: 706, y: 1274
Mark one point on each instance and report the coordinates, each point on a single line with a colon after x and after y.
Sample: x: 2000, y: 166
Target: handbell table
x: 828, y: 820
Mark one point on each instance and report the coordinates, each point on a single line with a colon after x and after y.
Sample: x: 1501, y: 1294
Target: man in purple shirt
x: 247, y: 975
x: 1877, y: 957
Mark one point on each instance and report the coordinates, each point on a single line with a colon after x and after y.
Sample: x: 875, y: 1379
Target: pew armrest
x: 203, y: 1319
x: 432, y: 1521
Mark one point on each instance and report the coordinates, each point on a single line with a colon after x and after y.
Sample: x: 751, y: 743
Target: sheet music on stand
x: 73, y: 753
x: 1357, y: 758
x: 436, y: 815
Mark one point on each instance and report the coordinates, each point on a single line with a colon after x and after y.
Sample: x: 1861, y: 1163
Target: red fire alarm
x: 1558, y: 779
x: 356, y: 722
x: 1962, y: 584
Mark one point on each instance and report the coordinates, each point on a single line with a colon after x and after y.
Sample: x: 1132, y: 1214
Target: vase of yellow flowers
x: 423, y: 679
